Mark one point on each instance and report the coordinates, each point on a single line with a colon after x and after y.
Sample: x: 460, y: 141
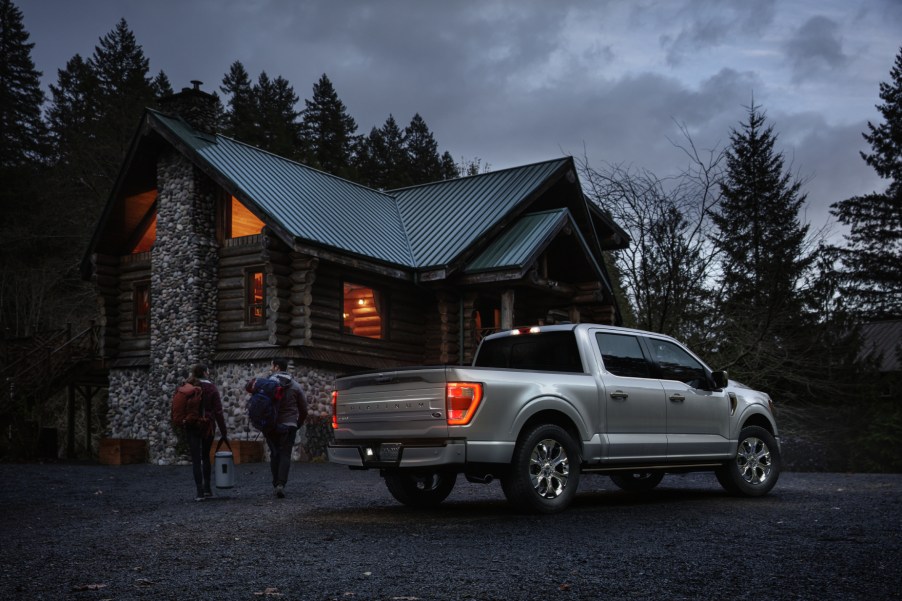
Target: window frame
x: 249, y: 299
x: 650, y: 367
x: 702, y: 382
x: 380, y: 301
x: 141, y: 311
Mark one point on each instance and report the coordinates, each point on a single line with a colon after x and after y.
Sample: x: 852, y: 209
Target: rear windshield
x: 549, y: 351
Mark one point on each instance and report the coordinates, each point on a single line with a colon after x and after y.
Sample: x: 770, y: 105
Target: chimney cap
x: 197, y: 84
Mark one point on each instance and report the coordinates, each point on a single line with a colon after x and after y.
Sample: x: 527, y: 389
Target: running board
x: 666, y: 467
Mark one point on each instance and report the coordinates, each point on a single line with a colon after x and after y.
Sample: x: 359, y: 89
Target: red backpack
x: 188, y: 407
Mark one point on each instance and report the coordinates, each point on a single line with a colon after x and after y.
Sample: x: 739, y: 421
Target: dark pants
x: 280, y: 445
x: 199, y: 447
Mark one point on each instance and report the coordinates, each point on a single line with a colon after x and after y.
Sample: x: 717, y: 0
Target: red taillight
x: 334, y: 409
x: 461, y: 400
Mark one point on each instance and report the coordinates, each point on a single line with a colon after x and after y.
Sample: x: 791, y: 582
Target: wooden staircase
x: 37, y: 368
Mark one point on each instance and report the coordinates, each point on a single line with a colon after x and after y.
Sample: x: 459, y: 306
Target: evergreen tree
x: 241, y: 118
x: 278, y: 130
x: 22, y: 131
x: 73, y: 112
x: 95, y: 109
x: 161, y: 85
x: 449, y: 167
x: 870, y: 260
x: 763, y: 256
x: 328, y: 131
x: 24, y: 243
x: 381, y: 158
x: 124, y: 88
x: 423, y: 162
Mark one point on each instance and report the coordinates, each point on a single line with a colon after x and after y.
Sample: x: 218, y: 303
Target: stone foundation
x: 139, y: 410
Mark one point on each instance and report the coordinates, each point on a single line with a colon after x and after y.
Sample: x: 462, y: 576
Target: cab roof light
x: 529, y: 330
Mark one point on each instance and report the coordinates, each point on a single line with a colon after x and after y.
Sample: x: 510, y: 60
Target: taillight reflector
x: 334, y: 409
x: 461, y: 401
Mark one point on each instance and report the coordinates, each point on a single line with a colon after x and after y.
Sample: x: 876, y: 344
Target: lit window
x: 362, y: 311
x: 141, y: 302
x: 255, y: 297
x: 140, y: 219
x: 242, y: 222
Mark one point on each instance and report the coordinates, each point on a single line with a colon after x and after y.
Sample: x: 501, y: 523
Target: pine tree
x: 763, y: 256
x: 24, y: 244
x: 241, y: 118
x: 96, y: 106
x: 22, y: 131
x: 381, y: 158
x: 161, y: 85
x: 423, y: 162
x: 278, y: 129
x: 449, y: 167
x: 73, y: 112
x: 870, y: 260
x: 124, y: 90
x: 328, y: 131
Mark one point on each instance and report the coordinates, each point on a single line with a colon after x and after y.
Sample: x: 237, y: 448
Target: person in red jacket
x: 200, y: 438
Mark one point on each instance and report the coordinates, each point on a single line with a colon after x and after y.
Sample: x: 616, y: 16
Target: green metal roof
x: 520, y: 243
x: 307, y: 203
x: 445, y: 218
x: 421, y: 227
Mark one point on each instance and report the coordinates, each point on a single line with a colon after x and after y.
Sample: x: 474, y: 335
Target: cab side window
x: 622, y: 355
x: 676, y: 364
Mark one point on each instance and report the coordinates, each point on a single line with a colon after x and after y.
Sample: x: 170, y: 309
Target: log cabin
x: 213, y: 251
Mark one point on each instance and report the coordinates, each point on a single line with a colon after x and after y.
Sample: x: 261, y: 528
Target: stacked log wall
x: 133, y: 269
x: 404, y: 334
x: 236, y: 257
x: 105, y: 278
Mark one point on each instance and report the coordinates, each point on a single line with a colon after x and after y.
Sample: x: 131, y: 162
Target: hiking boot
x: 208, y: 494
x: 280, y: 491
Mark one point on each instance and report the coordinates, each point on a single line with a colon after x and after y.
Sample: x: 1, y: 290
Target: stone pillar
x: 183, y: 283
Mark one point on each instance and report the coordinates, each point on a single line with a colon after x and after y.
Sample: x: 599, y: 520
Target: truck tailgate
x: 404, y: 404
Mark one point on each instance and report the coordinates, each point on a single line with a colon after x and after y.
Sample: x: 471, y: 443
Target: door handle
x: 677, y: 398
x: 619, y: 395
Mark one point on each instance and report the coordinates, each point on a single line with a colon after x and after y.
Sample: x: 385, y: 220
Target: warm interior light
x: 244, y: 223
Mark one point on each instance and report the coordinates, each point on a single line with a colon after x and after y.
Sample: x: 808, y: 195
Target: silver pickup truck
x: 542, y: 405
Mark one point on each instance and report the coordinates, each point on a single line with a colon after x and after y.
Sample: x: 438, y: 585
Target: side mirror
x: 721, y: 378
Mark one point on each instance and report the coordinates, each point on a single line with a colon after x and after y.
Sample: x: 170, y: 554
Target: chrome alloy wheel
x: 549, y: 468
x: 754, y: 461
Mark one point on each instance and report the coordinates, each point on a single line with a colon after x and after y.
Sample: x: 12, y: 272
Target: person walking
x: 200, y: 438
x: 291, y: 415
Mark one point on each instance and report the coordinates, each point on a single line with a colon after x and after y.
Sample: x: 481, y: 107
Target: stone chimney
x: 199, y: 109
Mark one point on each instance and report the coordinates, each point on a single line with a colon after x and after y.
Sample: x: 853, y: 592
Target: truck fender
x: 549, y: 403
x: 755, y: 413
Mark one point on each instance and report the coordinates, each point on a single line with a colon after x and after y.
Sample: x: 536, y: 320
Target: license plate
x: 390, y: 451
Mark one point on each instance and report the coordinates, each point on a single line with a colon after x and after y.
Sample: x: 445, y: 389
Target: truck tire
x: 755, y: 469
x: 421, y: 489
x: 544, y: 472
x: 637, y: 481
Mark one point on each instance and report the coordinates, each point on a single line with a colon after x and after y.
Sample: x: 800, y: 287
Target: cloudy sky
x: 518, y: 81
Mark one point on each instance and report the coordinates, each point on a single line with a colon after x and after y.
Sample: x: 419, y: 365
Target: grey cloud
x: 710, y: 22
x: 815, y: 48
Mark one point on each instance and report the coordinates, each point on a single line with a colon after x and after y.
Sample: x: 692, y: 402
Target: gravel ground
x: 90, y: 532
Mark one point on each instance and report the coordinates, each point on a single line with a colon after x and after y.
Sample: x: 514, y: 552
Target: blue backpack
x: 263, y: 406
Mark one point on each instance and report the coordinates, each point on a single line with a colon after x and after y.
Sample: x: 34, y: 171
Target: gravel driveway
x: 134, y: 532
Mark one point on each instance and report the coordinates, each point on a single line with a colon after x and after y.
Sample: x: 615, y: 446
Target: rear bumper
x: 451, y: 452
x: 370, y: 455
